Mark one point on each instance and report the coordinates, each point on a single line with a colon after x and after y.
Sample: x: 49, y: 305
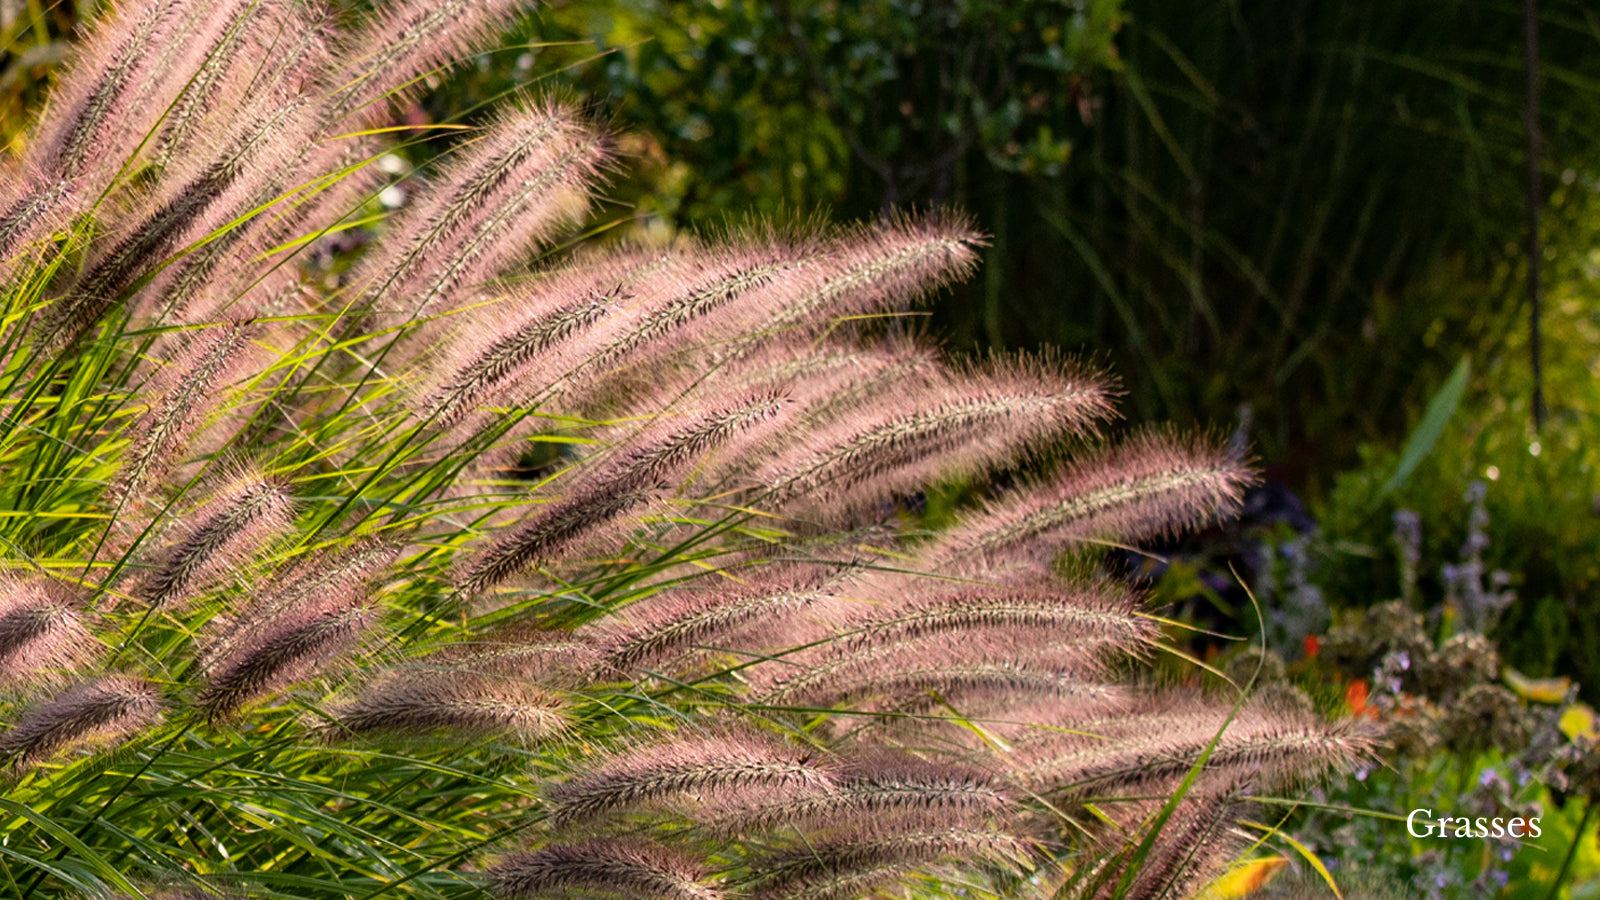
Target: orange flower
x: 1355, y: 694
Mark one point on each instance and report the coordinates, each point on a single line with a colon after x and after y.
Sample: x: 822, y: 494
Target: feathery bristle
x: 31, y: 216
x: 813, y: 871
x: 708, y: 768
x: 528, y: 175
x: 912, y: 653
x: 146, y: 243
x: 1097, y: 614
x: 1150, y: 485
x: 232, y: 525
x: 90, y: 126
x: 103, y: 710
x: 693, y: 295
x: 871, y: 794
x: 341, y: 578
x: 1276, y: 747
x: 634, y: 475
x: 494, y: 352
x: 461, y: 703
x: 548, y: 658
x: 877, y: 268
x: 554, y: 530
x: 187, y: 394
x: 1186, y: 853
x: 646, y: 634
x: 280, y: 652
x: 606, y: 867
x: 244, y: 177
x: 405, y: 40
x: 888, y: 672
x: 40, y: 631
x: 902, y: 440
x: 213, y: 42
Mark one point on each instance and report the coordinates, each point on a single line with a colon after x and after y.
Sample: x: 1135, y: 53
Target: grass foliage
x: 488, y: 562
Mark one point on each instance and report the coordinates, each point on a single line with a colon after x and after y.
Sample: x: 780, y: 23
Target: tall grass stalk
x: 483, y: 563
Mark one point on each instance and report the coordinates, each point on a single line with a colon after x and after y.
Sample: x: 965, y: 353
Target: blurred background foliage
x: 1294, y: 220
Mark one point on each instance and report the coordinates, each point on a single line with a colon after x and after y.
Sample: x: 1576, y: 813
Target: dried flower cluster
x: 626, y: 514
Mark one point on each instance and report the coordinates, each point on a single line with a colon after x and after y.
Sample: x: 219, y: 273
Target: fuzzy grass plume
x: 353, y: 551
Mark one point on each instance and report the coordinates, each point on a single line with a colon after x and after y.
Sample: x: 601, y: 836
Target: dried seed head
x: 281, y: 652
x: 634, y: 475
x: 41, y: 633
x: 1152, y: 484
x: 231, y: 526
x: 99, y: 711
x: 710, y: 769
x: 184, y: 395
x: 528, y: 176
x: 608, y: 867
x: 463, y: 704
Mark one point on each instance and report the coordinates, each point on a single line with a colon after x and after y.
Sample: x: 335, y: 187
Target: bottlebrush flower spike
x: 696, y: 294
x: 547, y: 658
x: 281, y: 652
x: 901, y: 441
x: 402, y: 42
x: 463, y: 704
x: 871, y: 269
x: 184, y: 395
x: 337, y: 580
x: 415, y: 353
x: 1100, y: 616
x: 857, y: 863
x: 90, y: 126
x: 489, y: 354
x: 41, y: 633
x: 238, y: 57
x: 657, y: 631
x: 895, y: 672
x: 243, y: 516
x: 603, y: 866
x: 1273, y: 745
x: 871, y: 792
x: 528, y: 174
x: 40, y: 209
x: 708, y: 768
x: 1152, y: 484
x: 636, y: 474
x: 102, y: 710
x: 1190, y: 850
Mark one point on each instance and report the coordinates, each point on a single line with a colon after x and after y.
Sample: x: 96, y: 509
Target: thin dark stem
x: 1530, y: 116
x: 1572, y: 850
